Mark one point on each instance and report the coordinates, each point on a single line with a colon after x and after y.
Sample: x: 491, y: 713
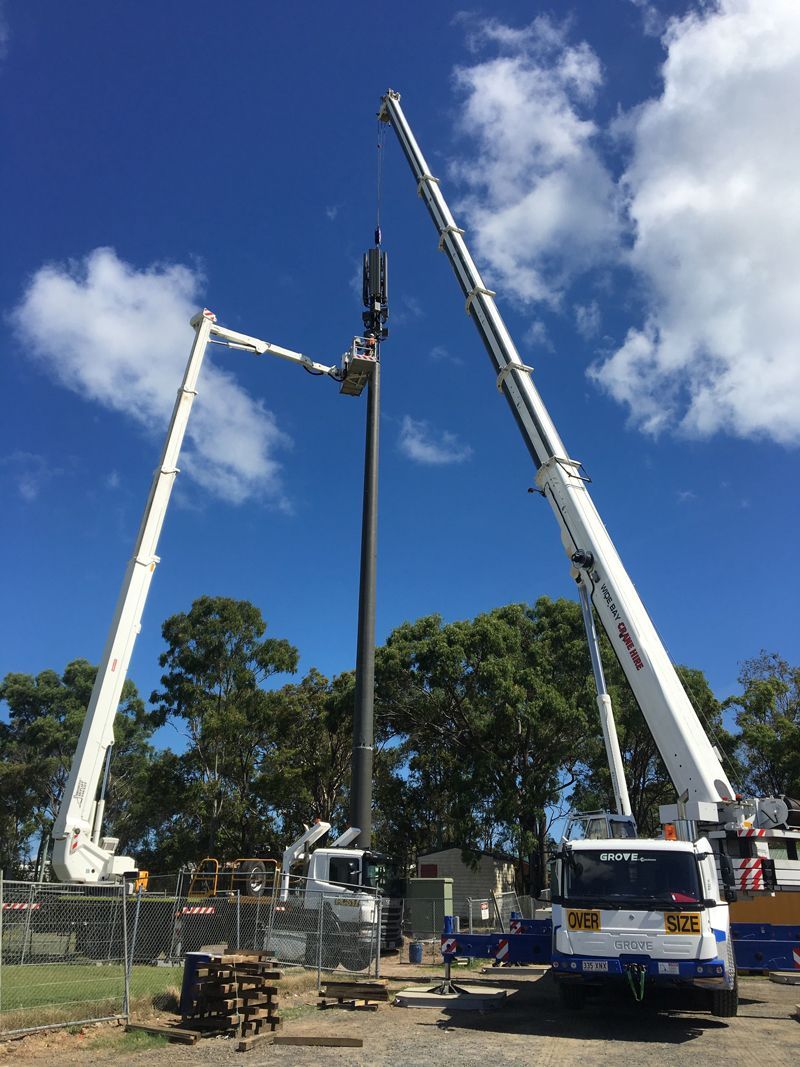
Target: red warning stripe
x: 198, y: 911
x: 21, y: 907
x: 502, y: 950
x: 449, y: 946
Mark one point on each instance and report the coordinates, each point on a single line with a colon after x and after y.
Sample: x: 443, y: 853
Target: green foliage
x: 768, y: 716
x: 46, y: 712
x: 487, y: 729
x: 490, y: 729
x: 216, y: 661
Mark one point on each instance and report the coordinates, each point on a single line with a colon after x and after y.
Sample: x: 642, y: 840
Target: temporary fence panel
x: 63, y: 955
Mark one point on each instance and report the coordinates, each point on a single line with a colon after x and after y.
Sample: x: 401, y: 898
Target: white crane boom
x: 80, y: 854
x: 690, y: 759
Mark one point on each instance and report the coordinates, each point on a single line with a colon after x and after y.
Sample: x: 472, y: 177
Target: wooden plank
x: 172, y: 1032
x: 246, y: 1043
x: 319, y: 1039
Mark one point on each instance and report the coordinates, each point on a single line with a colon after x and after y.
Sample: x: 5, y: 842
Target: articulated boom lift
x: 80, y: 852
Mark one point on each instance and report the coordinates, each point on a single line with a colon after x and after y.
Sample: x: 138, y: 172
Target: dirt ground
x: 531, y: 1026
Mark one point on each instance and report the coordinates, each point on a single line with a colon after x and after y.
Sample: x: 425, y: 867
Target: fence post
x: 379, y: 930
x: 27, y: 930
x: 126, y: 1002
x: 135, y: 931
x: 498, y: 912
x: 320, y: 927
x: 238, y: 919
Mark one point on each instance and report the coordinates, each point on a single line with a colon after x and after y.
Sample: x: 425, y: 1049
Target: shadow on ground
x: 668, y: 1017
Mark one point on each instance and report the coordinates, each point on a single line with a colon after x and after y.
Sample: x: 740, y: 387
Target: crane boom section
x: 690, y: 759
x: 76, y: 856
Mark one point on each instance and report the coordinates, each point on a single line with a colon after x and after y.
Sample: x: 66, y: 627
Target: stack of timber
x: 371, y: 993
x: 236, y: 991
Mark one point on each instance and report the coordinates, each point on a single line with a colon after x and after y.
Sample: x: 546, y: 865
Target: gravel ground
x: 530, y: 1027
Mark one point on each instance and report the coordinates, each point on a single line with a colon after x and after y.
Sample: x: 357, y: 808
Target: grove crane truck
x: 623, y: 907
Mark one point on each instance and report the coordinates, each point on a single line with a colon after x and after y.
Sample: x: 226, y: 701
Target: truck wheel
x: 573, y: 995
x: 356, y: 957
x: 251, y: 878
x: 725, y: 1002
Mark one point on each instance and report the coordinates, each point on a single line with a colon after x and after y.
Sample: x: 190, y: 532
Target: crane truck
x: 623, y: 907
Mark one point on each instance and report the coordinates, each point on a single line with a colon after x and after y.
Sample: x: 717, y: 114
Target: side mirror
x: 731, y: 896
x: 710, y: 902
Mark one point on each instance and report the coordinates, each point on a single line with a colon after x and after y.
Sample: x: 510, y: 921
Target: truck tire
x: 725, y: 1002
x: 251, y: 878
x: 573, y: 995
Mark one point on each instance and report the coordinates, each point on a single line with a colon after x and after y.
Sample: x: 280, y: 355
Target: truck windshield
x: 620, y: 878
x: 381, y: 873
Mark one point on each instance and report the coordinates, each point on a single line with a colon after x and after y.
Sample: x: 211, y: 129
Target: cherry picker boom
x: 591, y: 938
x: 80, y: 852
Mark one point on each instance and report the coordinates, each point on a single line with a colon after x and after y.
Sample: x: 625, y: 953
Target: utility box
x: 427, y: 902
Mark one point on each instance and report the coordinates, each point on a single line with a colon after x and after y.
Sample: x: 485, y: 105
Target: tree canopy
x: 487, y: 730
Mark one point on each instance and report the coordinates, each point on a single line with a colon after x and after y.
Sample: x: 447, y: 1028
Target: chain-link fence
x: 74, y: 953
x: 494, y: 912
x: 63, y: 954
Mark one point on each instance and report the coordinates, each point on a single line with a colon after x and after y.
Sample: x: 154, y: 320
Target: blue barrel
x: 415, y: 952
x: 191, y: 962
x: 449, y: 925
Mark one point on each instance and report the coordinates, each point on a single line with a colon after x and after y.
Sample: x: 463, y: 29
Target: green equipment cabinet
x: 427, y: 902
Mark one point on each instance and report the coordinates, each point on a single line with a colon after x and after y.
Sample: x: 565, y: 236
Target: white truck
x: 356, y: 888
x: 625, y: 906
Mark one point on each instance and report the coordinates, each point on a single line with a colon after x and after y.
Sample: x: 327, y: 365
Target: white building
x: 494, y: 872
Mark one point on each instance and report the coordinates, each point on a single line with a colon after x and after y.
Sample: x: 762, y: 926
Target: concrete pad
x: 785, y: 977
x: 470, y: 998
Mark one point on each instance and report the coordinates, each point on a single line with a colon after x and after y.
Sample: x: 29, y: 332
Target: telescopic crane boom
x: 703, y: 787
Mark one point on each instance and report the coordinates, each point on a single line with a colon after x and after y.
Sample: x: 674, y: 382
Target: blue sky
x: 628, y: 187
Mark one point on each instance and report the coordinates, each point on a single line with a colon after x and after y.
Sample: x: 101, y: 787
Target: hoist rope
x: 379, y: 189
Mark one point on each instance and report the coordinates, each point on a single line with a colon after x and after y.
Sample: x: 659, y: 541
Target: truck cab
x: 644, y: 912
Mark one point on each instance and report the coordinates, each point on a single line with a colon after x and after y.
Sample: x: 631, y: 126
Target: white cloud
x: 30, y: 472
x: 588, y: 319
x: 113, y: 480
x: 537, y: 337
x: 440, y: 354
x: 406, y: 309
x: 713, y: 197
x: 421, y: 443
x: 653, y: 20
x: 332, y: 211
x: 541, y: 206
x: 120, y: 337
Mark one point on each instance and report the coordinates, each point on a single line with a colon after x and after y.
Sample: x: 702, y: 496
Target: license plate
x: 583, y: 920
x: 668, y: 968
x: 596, y: 965
x: 682, y: 922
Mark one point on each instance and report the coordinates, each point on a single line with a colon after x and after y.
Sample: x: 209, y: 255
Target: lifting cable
x: 379, y: 189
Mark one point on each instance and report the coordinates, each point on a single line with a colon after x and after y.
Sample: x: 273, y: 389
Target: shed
x: 495, y: 872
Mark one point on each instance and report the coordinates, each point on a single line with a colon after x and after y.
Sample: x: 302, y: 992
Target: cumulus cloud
x: 119, y: 337
x: 713, y: 198
x: 541, y: 207
x: 421, y: 443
